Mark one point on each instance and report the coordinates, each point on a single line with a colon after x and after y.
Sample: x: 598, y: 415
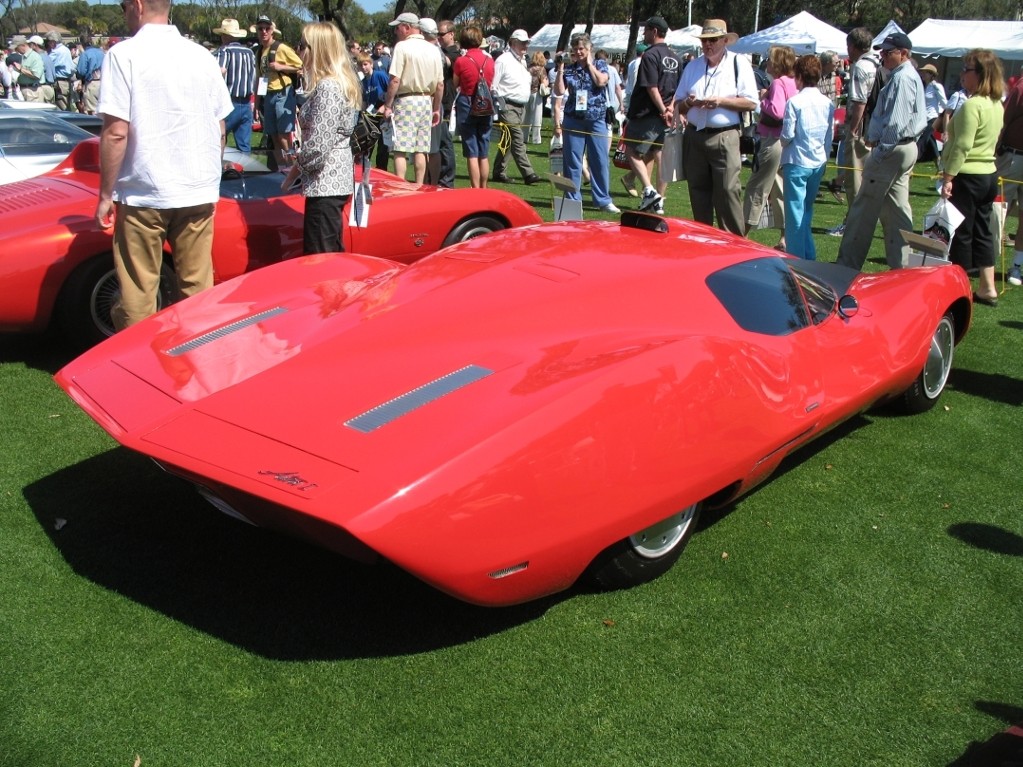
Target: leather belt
x: 1008, y: 150
x: 712, y: 131
x: 403, y: 95
x: 908, y: 140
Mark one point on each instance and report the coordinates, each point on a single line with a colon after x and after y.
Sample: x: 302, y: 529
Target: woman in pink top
x: 765, y: 185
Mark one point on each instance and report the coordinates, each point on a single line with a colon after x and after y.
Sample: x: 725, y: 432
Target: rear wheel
x: 473, y: 227
x: 647, y: 554
x: 91, y: 292
x: 929, y: 385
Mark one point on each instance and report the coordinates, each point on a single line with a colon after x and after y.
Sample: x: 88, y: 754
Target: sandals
x: 979, y: 299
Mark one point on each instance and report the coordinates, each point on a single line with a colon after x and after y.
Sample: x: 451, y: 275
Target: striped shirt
x: 901, y: 111
x: 240, y: 65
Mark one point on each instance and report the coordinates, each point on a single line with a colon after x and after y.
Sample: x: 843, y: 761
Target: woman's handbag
x: 482, y: 104
x: 365, y: 134
x: 621, y: 157
x: 671, y: 157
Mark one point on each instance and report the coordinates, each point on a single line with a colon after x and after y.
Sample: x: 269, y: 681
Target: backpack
x: 482, y: 103
x: 875, y: 92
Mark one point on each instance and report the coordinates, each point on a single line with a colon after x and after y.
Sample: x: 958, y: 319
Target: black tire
x: 929, y: 385
x: 89, y: 294
x: 473, y: 227
x: 647, y: 554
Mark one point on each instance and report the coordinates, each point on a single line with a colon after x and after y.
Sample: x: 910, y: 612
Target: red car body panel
x: 49, y: 229
x: 494, y: 416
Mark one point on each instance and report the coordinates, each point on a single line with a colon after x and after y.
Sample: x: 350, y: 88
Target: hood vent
x: 417, y: 398
x: 22, y: 195
x: 226, y: 330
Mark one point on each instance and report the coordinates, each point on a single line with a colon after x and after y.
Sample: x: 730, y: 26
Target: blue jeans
x: 592, y: 137
x: 239, y: 122
x: 801, y: 186
x: 279, y: 112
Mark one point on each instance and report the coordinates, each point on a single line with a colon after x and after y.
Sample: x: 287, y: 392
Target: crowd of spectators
x: 425, y: 88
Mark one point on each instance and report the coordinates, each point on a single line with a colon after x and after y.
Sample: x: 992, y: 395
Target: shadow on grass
x: 47, y: 351
x: 988, y: 537
x: 1004, y: 749
x: 993, y: 387
x: 144, y: 534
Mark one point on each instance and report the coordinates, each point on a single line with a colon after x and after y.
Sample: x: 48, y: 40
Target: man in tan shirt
x: 414, y: 95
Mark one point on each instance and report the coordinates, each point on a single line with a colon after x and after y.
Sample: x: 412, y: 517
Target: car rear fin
x: 633, y: 219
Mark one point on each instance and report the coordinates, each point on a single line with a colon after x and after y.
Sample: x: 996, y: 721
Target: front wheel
x: 929, y: 385
x: 91, y: 292
x: 472, y: 227
x: 647, y: 554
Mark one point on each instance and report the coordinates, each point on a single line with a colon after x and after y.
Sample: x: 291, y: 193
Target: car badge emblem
x: 289, y: 478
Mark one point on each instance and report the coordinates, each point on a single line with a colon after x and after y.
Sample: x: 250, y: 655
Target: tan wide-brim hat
x: 717, y: 28
x: 232, y: 28
x: 929, y: 68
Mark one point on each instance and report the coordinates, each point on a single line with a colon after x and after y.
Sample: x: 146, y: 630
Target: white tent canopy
x: 804, y: 33
x: 954, y: 37
x: 613, y: 38
x: 889, y: 29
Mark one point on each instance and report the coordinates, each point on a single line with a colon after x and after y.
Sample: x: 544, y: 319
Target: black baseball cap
x: 658, y: 23
x: 895, y: 40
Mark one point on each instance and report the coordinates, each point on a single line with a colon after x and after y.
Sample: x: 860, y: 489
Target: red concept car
x: 57, y: 265
x: 513, y: 412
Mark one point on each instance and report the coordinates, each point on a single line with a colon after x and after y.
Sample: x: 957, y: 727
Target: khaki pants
x: 62, y: 95
x: 90, y: 96
x: 139, y: 235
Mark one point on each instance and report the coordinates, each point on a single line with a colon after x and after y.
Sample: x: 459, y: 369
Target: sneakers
x: 1015, y: 277
x: 837, y: 231
x: 659, y: 208
x: 650, y: 199
x: 610, y: 208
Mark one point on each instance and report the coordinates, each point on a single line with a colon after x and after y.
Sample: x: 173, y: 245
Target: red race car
x: 57, y: 265
x: 510, y: 413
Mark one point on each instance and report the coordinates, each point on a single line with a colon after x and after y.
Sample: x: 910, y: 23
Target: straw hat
x: 717, y: 28
x: 929, y: 68
x: 231, y: 28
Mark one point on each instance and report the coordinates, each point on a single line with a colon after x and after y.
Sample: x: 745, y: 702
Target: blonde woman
x: 324, y: 164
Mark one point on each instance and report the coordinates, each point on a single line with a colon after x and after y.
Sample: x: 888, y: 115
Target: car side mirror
x: 848, y: 307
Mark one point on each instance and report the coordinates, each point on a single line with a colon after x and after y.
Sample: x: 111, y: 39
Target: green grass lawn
x: 862, y: 608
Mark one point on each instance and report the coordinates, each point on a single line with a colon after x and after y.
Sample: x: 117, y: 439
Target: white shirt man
x: 712, y: 94
x: 511, y: 88
x: 160, y: 154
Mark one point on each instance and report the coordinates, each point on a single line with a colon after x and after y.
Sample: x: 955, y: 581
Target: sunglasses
x: 709, y: 40
x: 969, y: 69
x: 263, y: 29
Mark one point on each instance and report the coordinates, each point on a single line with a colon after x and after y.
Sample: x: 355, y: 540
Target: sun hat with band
x: 717, y: 28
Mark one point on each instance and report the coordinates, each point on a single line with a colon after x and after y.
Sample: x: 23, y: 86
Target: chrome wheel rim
x: 658, y: 539
x: 939, y: 359
x: 105, y: 294
x: 476, y: 231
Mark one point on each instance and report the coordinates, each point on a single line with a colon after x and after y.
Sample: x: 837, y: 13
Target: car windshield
x: 820, y: 298
x: 762, y: 296
x: 38, y: 134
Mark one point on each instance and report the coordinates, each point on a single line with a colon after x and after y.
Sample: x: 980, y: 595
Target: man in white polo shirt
x: 161, y: 153
x: 511, y: 87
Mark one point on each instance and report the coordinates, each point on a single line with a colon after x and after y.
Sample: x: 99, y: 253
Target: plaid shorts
x: 411, y: 123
